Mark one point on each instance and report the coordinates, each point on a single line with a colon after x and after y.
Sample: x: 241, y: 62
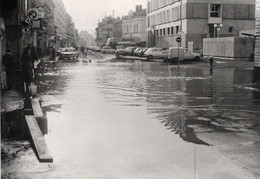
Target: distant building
x: 194, y: 20
x: 109, y: 27
x: 134, y: 26
x: 64, y: 26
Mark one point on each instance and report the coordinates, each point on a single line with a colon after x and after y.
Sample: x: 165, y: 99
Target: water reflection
x: 181, y: 98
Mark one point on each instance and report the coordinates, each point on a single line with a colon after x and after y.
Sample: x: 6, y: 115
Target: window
x: 164, y: 16
x: 173, y: 14
x: 156, y: 33
x: 176, y: 16
x: 168, y: 31
x: 164, y: 32
x: 160, y: 32
x: 215, y: 10
x: 172, y: 30
x: 230, y: 29
x: 177, y: 29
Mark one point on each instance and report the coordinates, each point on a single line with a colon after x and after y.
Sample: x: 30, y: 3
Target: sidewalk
x: 224, y: 63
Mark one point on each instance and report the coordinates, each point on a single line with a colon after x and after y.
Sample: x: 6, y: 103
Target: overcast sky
x: 86, y: 13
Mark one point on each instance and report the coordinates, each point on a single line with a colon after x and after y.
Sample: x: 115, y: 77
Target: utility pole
x: 178, y: 39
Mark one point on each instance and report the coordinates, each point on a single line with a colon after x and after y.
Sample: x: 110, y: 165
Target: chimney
x: 140, y: 8
x: 136, y: 8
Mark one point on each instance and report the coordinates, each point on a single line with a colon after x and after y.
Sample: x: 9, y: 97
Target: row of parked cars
x: 168, y: 55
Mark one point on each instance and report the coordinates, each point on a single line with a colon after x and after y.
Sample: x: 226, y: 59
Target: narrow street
x: 133, y: 119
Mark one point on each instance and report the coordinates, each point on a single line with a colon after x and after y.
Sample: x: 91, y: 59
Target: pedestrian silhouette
x: 9, y: 63
x: 211, y: 59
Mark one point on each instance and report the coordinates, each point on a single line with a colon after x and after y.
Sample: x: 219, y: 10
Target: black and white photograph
x: 130, y: 89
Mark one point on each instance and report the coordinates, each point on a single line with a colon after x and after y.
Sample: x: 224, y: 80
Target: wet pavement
x: 133, y: 119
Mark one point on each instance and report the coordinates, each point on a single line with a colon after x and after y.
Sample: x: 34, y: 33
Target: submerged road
x: 132, y: 119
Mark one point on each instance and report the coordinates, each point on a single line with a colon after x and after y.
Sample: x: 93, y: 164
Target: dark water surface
x: 148, y: 120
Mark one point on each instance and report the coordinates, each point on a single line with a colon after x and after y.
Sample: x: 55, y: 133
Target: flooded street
x: 133, y: 119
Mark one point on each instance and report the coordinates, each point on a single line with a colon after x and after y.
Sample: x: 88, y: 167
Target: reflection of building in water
x: 257, y: 44
x: 191, y: 101
x: 256, y: 97
x: 168, y: 98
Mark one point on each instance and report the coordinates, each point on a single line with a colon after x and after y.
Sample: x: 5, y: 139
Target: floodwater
x: 146, y: 120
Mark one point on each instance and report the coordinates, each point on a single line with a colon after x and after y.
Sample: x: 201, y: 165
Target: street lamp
x: 218, y: 28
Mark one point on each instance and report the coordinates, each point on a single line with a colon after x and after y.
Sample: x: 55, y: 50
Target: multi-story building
x: 109, y: 27
x: 134, y: 26
x: 64, y: 25
x: 257, y: 43
x: 44, y: 40
x: 194, y: 20
x: 19, y: 27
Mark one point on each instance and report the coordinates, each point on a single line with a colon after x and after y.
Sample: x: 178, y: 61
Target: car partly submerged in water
x: 68, y: 54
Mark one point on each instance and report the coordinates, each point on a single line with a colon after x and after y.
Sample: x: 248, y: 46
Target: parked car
x: 120, y: 50
x: 137, y: 50
x: 141, y: 53
x: 164, y: 55
x: 129, y: 50
x: 183, y: 53
x: 95, y: 48
x: 153, y: 52
x: 68, y: 53
x: 108, y: 49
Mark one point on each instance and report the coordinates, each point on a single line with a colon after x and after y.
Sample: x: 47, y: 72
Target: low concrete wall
x: 228, y: 47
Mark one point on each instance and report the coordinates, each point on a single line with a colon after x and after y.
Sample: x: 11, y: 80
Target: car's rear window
x: 68, y: 50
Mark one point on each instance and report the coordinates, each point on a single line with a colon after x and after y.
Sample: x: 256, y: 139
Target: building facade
x: 194, y: 20
x: 109, y: 27
x: 64, y: 27
x: 44, y: 39
x: 20, y: 27
x: 134, y: 26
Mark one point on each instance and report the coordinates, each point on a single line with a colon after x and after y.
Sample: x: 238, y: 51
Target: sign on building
x: 36, y: 13
x: 33, y: 13
x: 41, y: 13
x: 36, y: 24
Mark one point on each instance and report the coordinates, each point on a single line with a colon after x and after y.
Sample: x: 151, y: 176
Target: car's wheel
x: 150, y: 57
x: 173, y: 60
x: 197, y: 58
